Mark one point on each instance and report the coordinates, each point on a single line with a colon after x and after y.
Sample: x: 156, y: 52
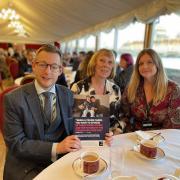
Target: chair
x: 14, y: 69
x: 1, y: 82
x: 9, y: 60
x: 27, y: 79
x: 2, y: 94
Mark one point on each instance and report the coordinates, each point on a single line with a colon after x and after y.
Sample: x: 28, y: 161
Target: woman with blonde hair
x: 151, y: 101
x: 101, y: 69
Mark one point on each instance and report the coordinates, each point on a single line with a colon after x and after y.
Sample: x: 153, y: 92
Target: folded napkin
x: 144, y: 135
x: 148, y: 135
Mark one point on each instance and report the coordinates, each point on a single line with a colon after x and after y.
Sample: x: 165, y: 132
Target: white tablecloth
x: 18, y: 80
x: 125, y: 161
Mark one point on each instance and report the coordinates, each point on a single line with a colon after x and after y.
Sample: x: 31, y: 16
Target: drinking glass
x: 116, y: 161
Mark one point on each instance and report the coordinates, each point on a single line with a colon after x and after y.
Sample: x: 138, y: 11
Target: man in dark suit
x: 34, y: 141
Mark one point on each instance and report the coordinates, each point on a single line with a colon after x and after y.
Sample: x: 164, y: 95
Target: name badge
x: 147, y: 124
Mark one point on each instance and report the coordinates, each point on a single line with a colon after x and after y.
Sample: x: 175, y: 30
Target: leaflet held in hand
x: 91, y: 118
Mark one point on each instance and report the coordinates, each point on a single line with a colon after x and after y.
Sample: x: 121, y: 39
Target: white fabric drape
x: 145, y: 14
x: 63, y: 20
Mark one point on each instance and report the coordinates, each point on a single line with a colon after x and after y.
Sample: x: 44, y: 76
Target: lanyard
x: 147, y: 123
x: 148, y: 108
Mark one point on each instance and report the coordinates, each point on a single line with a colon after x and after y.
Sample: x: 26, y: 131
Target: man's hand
x: 69, y: 144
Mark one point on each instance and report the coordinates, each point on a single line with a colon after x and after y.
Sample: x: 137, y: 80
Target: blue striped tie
x: 47, y: 105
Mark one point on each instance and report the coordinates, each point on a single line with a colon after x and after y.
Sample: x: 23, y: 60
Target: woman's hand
x: 109, y: 138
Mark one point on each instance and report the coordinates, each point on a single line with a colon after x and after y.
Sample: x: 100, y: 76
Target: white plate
x: 160, y: 153
x: 147, y: 135
x: 79, y: 171
x: 124, y: 178
x: 165, y: 177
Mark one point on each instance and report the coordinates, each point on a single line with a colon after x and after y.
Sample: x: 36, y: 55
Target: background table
x: 18, y: 80
x: 69, y: 74
x: 124, y: 160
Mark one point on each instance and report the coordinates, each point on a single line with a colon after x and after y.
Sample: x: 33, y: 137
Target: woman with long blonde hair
x: 151, y: 101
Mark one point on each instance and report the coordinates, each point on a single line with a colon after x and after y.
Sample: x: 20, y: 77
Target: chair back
x: 9, y: 60
x: 1, y: 82
x: 14, y: 69
x: 2, y: 94
x: 27, y: 79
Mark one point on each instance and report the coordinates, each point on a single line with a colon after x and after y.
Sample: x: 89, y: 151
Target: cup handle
x: 81, y: 164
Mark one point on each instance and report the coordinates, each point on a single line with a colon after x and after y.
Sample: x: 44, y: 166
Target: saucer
x: 165, y: 177
x: 160, y: 153
x: 124, y: 178
x: 147, y: 135
x: 79, y: 171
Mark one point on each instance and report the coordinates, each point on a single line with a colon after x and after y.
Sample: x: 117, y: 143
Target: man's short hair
x: 49, y: 48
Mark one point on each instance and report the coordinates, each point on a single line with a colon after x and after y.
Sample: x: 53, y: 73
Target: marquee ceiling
x: 58, y: 20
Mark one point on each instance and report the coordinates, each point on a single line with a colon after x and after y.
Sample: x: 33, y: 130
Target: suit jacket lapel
x: 35, y: 108
x: 63, y: 108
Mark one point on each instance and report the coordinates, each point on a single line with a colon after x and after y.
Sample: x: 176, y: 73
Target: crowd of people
x: 141, y: 95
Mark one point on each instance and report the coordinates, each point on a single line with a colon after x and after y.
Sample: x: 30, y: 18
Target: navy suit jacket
x: 24, y: 129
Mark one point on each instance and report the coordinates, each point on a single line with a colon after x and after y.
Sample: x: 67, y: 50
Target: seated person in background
x: 34, y: 141
x: 151, y: 101
x: 78, y: 60
x: 82, y: 70
x: 100, y: 70
x: 26, y: 63
x: 62, y: 80
x: 4, y: 69
x: 124, y: 71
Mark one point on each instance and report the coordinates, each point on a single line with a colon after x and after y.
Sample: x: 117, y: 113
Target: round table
x: 123, y: 159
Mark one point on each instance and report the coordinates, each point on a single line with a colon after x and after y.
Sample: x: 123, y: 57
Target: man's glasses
x: 43, y: 66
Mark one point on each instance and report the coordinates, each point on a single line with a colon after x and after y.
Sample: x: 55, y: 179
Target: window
x: 131, y: 39
x: 71, y: 46
x: 90, y: 43
x: 107, y: 39
x: 166, y: 41
x: 63, y: 47
x: 81, y: 44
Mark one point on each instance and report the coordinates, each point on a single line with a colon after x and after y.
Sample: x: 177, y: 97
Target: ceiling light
x: 13, y: 18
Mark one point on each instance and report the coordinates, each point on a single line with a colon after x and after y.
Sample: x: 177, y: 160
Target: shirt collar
x: 40, y: 90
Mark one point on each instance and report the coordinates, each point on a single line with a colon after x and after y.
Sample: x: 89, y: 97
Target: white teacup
x: 148, y: 148
x: 90, y: 162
